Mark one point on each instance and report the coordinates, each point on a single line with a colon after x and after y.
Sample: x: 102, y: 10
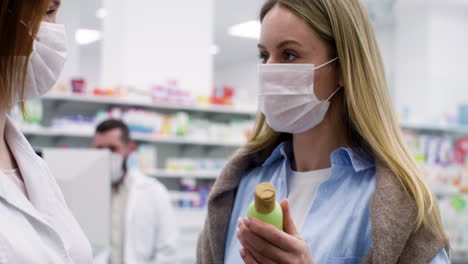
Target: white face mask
x: 287, y: 97
x: 46, y: 61
x: 117, y: 171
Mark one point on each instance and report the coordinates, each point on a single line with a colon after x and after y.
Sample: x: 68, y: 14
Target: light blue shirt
x: 338, y: 225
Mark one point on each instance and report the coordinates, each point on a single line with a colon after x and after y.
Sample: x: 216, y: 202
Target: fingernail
x: 242, y: 253
x: 246, y: 221
x: 239, y: 221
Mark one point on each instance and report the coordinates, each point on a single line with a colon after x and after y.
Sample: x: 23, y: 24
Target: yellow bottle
x: 265, y: 207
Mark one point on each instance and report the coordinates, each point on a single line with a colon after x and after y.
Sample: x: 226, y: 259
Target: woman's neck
x: 7, y: 161
x: 312, y: 149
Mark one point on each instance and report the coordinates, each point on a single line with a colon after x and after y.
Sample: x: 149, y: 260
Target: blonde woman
x: 35, y: 223
x: 328, y: 141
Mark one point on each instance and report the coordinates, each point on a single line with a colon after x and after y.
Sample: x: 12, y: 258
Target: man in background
x: 142, y: 222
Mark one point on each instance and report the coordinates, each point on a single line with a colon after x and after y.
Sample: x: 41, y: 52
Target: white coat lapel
x: 129, y: 210
x: 13, y: 196
x: 32, y: 172
x: 42, y: 202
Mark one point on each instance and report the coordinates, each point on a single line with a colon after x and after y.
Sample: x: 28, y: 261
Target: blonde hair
x: 19, y: 23
x: 346, y: 26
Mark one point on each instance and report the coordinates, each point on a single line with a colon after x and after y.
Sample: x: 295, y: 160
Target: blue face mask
x: 133, y: 162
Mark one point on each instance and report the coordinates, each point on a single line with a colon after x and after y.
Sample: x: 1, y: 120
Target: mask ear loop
x: 326, y: 63
x: 323, y: 65
x: 333, y: 94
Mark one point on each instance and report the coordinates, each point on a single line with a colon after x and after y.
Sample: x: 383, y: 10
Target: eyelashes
x: 263, y: 57
x: 50, y: 11
x: 53, y: 7
x: 286, y: 56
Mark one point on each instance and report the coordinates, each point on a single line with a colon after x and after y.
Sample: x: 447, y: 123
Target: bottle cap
x: 265, y: 198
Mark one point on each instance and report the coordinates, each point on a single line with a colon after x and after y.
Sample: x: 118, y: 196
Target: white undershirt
x: 302, y: 189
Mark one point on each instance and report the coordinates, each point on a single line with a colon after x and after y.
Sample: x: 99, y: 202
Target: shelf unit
x: 442, y: 129
x: 215, y: 109
x: 447, y: 192
x: 52, y: 132
x: 58, y: 100
x: 162, y: 173
x: 190, y: 222
x: 210, y: 109
x: 459, y: 254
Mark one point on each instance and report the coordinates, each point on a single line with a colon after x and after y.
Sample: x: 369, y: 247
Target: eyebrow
x: 282, y: 44
x: 56, y: 2
x: 287, y: 42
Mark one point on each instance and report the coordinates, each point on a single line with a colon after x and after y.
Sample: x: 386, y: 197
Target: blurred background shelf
x: 215, y: 109
x: 443, y: 129
x: 447, y: 191
x: 162, y: 173
x: 459, y: 254
x: 190, y: 224
x: 52, y: 132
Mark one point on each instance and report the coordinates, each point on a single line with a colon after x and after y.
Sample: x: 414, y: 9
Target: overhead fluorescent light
x: 87, y: 36
x: 101, y: 13
x: 250, y: 29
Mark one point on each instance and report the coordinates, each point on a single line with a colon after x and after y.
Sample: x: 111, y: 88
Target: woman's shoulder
x: 390, y: 189
x: 391, y: 198
x: 394, y: 217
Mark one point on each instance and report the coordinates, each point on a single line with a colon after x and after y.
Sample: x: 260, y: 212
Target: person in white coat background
x: 143, y: 226
x: 36, y: 225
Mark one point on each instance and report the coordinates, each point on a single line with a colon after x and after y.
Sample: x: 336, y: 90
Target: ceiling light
x: 101, y: 13
x: 249, y: 29
x: 87, y: 36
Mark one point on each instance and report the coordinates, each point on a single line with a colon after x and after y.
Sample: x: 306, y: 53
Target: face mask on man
x: 287, y: 97
x: 117, y: 168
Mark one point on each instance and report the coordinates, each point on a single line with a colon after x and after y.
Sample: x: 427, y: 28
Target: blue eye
x: 289, y: 56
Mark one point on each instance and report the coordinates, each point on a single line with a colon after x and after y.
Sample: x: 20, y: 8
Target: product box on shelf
x: 191, y: 195
x: 153, y: 123
x: 444, y: 162
x: 147, y: 157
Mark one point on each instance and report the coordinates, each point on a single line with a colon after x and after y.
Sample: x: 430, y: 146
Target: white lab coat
x: 151, y: 229
x: 41, y: 229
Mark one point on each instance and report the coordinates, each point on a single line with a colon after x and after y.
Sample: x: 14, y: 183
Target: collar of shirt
x: 354, y: 157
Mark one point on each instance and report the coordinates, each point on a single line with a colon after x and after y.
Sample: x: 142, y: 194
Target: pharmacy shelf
x: 162, y: 173
x: 459, y: 254
x: 51, y: 132
x: 191, y: 213
x: 229, y: 110
x: 463, y: 248
x: 190, y: 223
x: 444, y: 129
x: 185, y: 141
x: 447, y: 191
x: 191, y: 218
